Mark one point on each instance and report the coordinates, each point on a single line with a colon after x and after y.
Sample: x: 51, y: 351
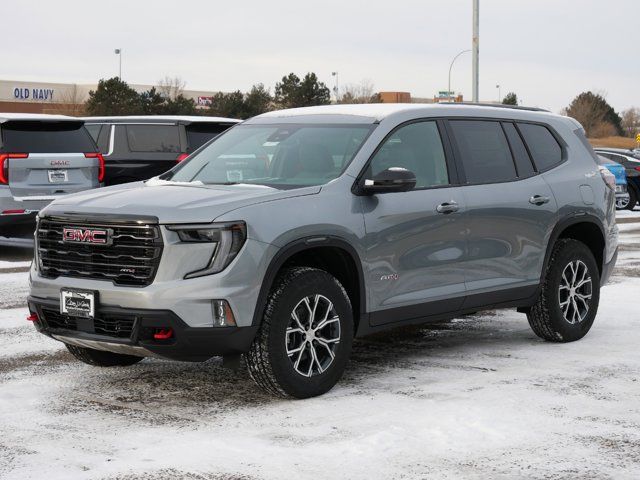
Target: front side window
x: 279, y: 156
x: 544, y: 148
x: 416, y: 147
x: 484, y: 151
x: 154, y: 138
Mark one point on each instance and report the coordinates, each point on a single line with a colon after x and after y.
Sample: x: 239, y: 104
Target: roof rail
x: 496, y: 105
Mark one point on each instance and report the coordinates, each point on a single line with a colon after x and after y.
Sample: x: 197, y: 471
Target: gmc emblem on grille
x: 87, y: 235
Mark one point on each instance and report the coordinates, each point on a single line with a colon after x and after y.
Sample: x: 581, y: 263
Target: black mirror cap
x: 394, y: 179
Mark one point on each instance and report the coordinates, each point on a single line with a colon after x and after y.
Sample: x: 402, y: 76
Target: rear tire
x: 303, y: 345
x: 100, y: 358
x: 569, y: 296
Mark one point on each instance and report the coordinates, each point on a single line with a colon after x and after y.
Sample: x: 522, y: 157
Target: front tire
x: 568, y: 302
x: 100, y: 358
x: 633, y: 199
x: 303, y: 345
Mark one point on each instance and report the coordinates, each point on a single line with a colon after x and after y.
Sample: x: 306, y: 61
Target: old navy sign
x: 23, y: 93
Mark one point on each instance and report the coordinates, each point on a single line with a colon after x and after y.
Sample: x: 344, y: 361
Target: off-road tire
x: 545, y: 316
x: 100, y: 358
x: 267, y: 359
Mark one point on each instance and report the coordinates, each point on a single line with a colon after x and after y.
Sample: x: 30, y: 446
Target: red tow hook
x: 163, y: 334
x: 33, y: 317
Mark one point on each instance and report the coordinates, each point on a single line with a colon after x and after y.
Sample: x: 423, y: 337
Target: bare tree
x: 170, y: 88
x: 363, y: 92
x: 69, y: 102
x: 631, y: 121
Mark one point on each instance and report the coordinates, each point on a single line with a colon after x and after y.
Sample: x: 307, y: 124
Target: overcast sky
x: 546, y: 51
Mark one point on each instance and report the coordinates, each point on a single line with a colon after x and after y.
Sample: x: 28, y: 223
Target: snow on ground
x: 478, y: 397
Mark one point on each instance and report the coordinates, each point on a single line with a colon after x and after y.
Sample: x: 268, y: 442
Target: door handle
x: 447, y: 207
x: 539, y: 200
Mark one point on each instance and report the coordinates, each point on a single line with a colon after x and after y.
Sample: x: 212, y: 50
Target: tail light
x: 608, y: 177
x: 13, y: 212
x: 100, y: 163
x: 182, y: 157
x: 4, y: 165
x: 636, y: 168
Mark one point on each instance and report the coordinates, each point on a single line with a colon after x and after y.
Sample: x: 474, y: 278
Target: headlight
x: 227, y: 237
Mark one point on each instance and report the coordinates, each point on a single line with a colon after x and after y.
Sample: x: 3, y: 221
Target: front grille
x: 132, y: 258
x: 108, y: 325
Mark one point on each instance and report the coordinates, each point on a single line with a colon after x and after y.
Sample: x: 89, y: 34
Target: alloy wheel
x: 312, y: 335
x: 575, y: 292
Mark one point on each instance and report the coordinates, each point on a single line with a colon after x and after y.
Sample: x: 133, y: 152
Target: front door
x: 415, y: 241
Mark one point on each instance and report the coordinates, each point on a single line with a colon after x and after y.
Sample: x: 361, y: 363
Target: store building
x: 65, y: 98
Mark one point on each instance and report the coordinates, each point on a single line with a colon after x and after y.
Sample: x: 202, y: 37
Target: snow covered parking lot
x: 478, y: 397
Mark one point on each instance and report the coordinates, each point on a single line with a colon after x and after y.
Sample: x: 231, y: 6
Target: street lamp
x: 118, y: 51
x: 499, y: 96
x: 450, y: 67
x: 335, y: 89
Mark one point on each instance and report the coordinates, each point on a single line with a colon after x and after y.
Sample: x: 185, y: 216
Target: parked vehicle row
x: 43, y: 157
x: 630, y: 160
x: 297, y: 230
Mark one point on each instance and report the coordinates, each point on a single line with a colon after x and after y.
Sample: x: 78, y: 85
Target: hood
x: 171, y: 202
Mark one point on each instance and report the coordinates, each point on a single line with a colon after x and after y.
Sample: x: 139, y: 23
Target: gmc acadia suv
x: 297, y: 230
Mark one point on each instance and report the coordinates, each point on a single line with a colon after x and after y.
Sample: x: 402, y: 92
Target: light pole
x: 476, y: 50
x: 335, y: 89
x: 450, y: 67
x: 499, y: 96
x: 118, y: 51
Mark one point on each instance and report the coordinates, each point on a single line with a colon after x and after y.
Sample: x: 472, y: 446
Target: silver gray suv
x: 298, y: 230
x: 42, y: 157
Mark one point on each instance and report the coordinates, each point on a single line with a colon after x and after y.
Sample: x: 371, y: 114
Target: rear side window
x: 154, y: 138
x: 519, y: 151
x: 46, y: 137
x: 484, y: 151
x: 544, y: 148
x: 200, y: 133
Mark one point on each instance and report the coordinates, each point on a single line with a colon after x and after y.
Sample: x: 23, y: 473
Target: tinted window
x: 94, y: 131
x: 485, y: 153
x: 416, y: 147
x: 519, y: 151
x: 153, y: 138
x: 198, y: 134
x: 46, y: 137
x: 544, y: 148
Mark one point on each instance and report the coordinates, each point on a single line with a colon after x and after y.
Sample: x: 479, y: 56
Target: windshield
x: 280, y: 156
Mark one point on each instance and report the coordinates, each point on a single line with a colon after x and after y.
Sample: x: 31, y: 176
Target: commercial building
x: 65, y: 98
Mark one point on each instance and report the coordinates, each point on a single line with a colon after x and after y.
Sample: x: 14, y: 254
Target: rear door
x: 510, y: 211
x: 57, y: 158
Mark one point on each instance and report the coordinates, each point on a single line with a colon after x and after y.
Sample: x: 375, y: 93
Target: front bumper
x: 130, y: 331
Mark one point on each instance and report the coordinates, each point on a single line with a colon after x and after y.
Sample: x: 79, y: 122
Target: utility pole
x: 476, y: 51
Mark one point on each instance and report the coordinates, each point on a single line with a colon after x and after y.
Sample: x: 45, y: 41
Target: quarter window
x: 418, y: 148
x: 544, y: 148
x: 484, y: 151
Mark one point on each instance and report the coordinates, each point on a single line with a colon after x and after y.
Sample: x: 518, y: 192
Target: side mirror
x: 394, y: 179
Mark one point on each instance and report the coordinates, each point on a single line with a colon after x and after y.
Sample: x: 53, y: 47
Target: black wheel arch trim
x: 300, y: 245
x: 564, y: 223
